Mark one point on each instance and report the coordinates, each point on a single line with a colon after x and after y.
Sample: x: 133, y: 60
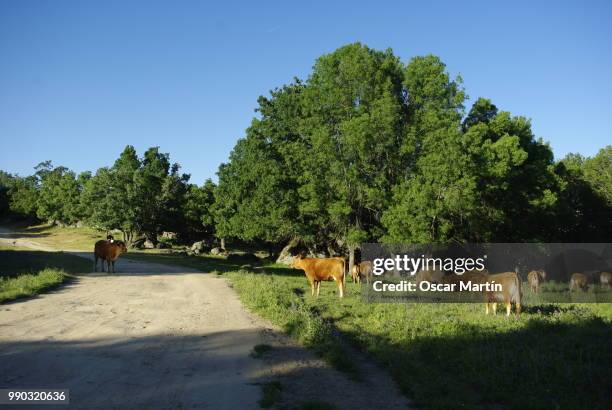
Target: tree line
x: 366, y: 148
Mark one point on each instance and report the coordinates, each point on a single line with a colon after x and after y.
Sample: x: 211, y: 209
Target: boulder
x: 138, y: 243
x: 289, y: 251
x: 217, y: 251
x: 148, y: 244
x: 169, y: 235
x: 199, y: 247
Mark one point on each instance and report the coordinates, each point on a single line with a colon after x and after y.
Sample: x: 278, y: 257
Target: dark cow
x: 362, y: 270
x: 109, y: 251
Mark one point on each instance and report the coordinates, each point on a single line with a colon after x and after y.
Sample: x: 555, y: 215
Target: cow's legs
x: 112, y: 266
x: 341, y: 286
x: 494, y: 305
x: 518, y: 308
x: 95, y: 263
x: 487, y: 308
x: 508, y: 308
x: 312, y: 287
x: 318, y: 287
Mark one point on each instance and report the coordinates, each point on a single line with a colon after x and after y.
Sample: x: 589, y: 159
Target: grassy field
x: 25, y: 272
x: 60, y: 237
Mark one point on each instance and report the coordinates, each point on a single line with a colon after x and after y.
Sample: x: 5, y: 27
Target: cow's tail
x: 517, y: 296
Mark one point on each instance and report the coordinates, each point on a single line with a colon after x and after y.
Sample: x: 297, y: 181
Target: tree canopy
x: 365, y: 148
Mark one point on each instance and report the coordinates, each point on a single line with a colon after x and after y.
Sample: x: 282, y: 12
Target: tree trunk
x: 286, y: 256
x: 351, y: 263
x: 222, y: 243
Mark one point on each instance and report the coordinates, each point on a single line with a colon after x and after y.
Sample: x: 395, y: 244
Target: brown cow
x: 534, y: 278
x: 319, y: 269
x: 605, y: 278
x: 108, y: 251
x: 362, y: 269
x: 579, y: 281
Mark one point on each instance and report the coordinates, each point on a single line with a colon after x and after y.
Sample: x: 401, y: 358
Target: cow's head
x: 121, y: 246
x: 296, y: 263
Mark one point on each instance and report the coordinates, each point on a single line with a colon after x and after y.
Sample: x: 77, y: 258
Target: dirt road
x: 155, y: 336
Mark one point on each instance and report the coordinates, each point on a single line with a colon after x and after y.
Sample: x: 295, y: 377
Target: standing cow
x: 605, y: 278
x: 319, y: 269
x: 579, y: 281
x: 535, y: 277
x: 360, y: 270
x: 108, y: 251
x: 510, y: 293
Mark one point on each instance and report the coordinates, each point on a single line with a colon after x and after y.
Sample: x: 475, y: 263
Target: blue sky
x: 79, y: 80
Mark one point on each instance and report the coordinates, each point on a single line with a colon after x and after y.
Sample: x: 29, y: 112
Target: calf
x: 319, y: 269
x: 605, y: 278
x: 534, y: 278
x: 579, y: 281
x: 108, y: 251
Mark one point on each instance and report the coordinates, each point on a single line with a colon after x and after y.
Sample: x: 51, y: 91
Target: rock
x: 217, y: 251
x: 288, y: 253
x: 148, y: 244
x: 138, y: 243
x: 199, y: 247
x: 169, y: 235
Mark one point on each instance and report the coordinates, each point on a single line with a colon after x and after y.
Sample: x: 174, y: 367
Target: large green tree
x: 354, y: 121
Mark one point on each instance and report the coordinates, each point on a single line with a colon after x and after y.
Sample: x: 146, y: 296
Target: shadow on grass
x: 543, y: 365
x: 18, y: 262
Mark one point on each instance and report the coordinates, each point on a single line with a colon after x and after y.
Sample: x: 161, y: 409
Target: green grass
x: 451, y: 355
x: 30, y: 284
x: 26, y: 273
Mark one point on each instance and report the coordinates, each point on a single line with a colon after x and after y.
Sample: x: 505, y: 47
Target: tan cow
x: 579, y: 281
x: 534, y: 278
x: 360, y: 270
x: 510, y: 293
x: 108, y: 251
x: 319, y: 269
x: 605, y: 278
